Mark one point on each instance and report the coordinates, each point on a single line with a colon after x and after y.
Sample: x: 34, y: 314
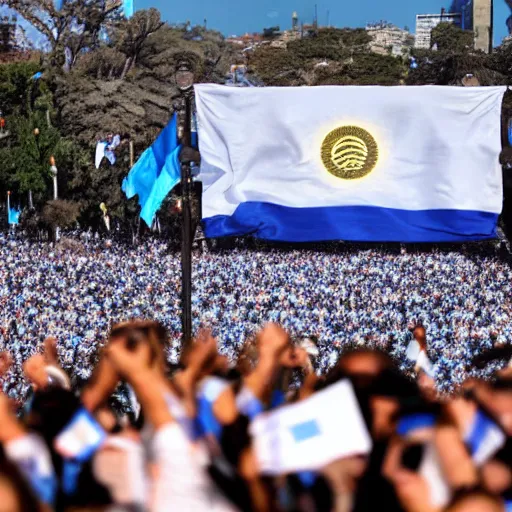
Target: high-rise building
x: 477, y: 15
x: 426, y: 22
x: 483, y: 24
x: 465, y: 9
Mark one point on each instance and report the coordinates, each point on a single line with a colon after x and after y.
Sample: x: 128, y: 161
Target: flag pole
x: 185, y: 81
x: 8, y: 207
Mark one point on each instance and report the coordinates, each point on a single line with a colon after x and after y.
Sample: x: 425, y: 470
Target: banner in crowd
x: 404, y: 164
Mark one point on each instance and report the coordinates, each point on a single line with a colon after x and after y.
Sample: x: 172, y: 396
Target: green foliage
x: 17, y: 86
x: 371, y: 69
x: 332, y: 57
x: 26, y: 158
x: 449, y: 38
x: 331, y: 44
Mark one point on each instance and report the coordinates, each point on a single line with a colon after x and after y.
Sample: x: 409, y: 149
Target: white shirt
x: 182, y: 483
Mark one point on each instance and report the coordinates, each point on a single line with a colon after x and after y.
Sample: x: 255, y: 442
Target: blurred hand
x: 308, y: 386
x: 34, y: 370
x: 412, y: 491
x: 127, y: 362
x: 5, y: 363
x: 294, y: 358
x: 6, y: 408
x: 411, y: 488
x: 203, y: 350
x: 50, y: 351
x: 272, y: 341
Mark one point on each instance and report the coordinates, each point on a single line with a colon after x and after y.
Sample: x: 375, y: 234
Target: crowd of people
x: 77, y: 290
x: 299, y: 392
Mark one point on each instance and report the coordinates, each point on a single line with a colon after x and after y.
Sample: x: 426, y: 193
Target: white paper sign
x: 311, y: 434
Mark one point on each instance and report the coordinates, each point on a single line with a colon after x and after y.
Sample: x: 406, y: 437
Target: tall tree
x: 447, y: 37
x: 74, y: 27
x: 133, y: 33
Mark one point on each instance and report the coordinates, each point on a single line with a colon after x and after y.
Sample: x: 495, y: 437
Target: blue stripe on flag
x: 168, y: 179
x: 415, y: 421
x: 305, y: 431
x: 352, y: 223
x: 481, y: 427
x: 156, y: 172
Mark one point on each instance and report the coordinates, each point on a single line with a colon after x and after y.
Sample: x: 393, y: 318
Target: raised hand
x: 50, y: 351
x: 129, y: 362
x: 34, y: 370
x: 294, y: 358
x: 5, y: 363
x: 203, y: 350
x: 272, y: 341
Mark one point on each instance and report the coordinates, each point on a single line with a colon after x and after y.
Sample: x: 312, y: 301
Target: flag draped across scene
x: 156, y: 173
x: 405, y: 164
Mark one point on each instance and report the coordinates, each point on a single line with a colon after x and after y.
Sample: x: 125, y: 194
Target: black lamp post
x: 185, y: 82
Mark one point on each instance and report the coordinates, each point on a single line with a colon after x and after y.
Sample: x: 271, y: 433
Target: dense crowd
x: 77, y: 290
x: 344, y: 409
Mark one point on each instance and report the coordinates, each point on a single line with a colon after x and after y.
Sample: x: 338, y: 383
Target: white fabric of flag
x: 311, y: 434
x: 407, y: 164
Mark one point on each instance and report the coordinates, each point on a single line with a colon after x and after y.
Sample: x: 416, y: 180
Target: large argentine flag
x: 409, y: 164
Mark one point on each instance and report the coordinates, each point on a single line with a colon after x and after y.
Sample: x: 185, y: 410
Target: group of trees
x: 343, y: 57
x: 102, y: 73
x: 99, y: 73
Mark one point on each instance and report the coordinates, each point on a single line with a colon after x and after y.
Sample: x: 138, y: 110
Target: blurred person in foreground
x: 258, y: 436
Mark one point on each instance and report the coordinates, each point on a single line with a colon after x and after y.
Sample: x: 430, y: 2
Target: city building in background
x: 483, y: 24
x: 274, y: 36
x: 465, y: 9
x: 388, y: 39
x: 426, y: 22
x: 477, y: 15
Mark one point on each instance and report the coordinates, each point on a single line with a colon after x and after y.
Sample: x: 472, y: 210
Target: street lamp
x: 184, y: 81
x: 30, y: 198
x: 54, y: 172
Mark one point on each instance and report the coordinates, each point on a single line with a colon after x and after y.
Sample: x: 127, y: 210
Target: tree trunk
x: 127, y: 67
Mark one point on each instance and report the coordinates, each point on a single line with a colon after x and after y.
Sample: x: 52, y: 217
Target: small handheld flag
x: 14, y: 216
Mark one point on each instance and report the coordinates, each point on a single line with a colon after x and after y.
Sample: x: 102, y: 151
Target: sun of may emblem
x: 349, y: 152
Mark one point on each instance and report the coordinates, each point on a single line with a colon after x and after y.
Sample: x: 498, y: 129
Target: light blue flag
x: 168, y: 179
x: 144, y: 176
x: 14, y: 216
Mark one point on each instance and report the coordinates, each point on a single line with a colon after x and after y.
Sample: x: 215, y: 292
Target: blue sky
x: 240, y: 16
